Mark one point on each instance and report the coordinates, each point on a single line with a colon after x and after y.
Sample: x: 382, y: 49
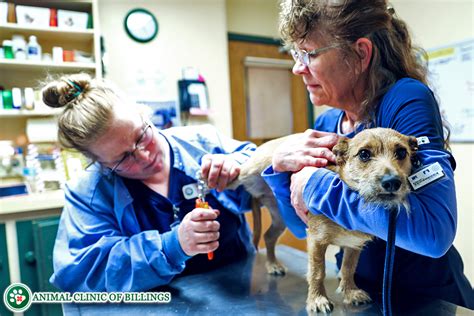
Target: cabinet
x: 4, y: 271
x: 35, y: 248
x: 28, y: 226
x: 29, y: 73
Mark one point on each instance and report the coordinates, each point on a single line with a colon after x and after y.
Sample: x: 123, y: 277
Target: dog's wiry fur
x: 376, y: 163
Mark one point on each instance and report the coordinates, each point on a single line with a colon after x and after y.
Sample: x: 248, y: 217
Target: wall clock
x: 141, y: 25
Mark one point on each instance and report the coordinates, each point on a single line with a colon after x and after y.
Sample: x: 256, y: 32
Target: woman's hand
x: 312, y: 148
x: 298, y: 183
x: 219, y: 170
x: 198, y: 232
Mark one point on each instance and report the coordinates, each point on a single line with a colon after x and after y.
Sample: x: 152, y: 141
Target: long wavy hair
x: 343, y: 22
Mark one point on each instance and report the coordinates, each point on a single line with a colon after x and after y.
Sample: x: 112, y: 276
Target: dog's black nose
x: 391, y: 183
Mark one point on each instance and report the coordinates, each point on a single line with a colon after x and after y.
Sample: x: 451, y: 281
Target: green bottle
x: 7, y: 99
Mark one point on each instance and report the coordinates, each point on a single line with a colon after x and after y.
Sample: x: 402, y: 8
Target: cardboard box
x: 32, y: 16
x: 72, y: 19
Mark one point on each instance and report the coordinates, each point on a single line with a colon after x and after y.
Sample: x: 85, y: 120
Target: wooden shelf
x: 76, y: 5
x: 58, y: 34
x: 12, y: 64
x: 29, y: 113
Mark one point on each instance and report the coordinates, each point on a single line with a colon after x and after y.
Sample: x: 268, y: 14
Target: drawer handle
x: 30, y: 257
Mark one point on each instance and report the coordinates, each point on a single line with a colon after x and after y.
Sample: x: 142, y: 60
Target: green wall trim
x: 254, y: 39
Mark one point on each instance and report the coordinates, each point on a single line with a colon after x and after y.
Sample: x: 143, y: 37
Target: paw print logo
x: 17, y: 297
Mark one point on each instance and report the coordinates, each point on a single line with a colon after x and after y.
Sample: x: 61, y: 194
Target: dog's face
x: 376, y: 163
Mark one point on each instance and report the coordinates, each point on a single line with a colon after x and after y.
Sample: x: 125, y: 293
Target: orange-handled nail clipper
x: 201, y: 203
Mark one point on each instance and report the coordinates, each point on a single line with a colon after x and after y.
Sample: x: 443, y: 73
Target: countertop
x: 31, y: 205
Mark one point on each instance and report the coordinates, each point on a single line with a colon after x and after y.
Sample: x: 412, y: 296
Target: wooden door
x: 302, y: 116
x: 238, y: 52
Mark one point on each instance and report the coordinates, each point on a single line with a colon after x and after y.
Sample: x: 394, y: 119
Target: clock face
x: 141, y: 25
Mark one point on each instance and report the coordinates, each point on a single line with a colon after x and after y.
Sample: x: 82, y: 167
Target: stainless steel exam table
x: 244, y: 288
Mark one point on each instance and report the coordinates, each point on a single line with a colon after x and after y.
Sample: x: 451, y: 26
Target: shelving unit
x: 11, y: 28
x: 27, y: 73
x: 27, y: 113
x: 29, y: 222
x: 12, y: 64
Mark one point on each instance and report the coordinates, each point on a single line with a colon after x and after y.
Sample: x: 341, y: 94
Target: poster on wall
x: 164, y: 114
x: 451, y: 76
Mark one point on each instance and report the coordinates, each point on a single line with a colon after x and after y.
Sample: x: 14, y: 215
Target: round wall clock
x: 141, y: 25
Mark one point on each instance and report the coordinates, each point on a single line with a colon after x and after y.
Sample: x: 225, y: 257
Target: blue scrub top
x: 157, y: 212
x: 426, y: 263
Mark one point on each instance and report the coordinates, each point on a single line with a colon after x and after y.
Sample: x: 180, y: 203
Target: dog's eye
x: 400, y: 153
x: 364, y: 155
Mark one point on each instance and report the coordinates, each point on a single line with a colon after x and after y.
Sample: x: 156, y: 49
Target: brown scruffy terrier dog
x: 375, y: 163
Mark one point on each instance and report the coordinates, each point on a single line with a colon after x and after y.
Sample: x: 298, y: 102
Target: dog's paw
x: 275, y: 268
x: 356, y: 297
x: 319, y: 304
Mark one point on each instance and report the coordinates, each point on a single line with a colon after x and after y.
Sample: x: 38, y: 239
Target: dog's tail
x: 257, y: 222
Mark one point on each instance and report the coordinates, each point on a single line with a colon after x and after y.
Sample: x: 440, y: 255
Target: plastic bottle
x: 29, y: 174
x: 29, y: 99
x: 34, y: 49
x: 8, y: 49
x: 53, y: 17
x: 17, y: 99
x: 19, y: 47
x: 32, y: 170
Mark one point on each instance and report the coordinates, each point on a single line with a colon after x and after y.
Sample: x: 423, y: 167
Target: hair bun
x: 64, y: 90
x: 52, y: 97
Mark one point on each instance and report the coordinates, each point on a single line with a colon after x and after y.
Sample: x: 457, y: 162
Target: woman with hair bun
x: 129, y: 222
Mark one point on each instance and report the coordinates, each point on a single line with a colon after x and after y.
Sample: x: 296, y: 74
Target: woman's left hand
x: 219, y: 170
x: 298, y: 183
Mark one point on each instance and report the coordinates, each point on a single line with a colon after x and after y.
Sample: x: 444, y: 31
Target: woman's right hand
x: 198, y: 232
x: 311, y: 148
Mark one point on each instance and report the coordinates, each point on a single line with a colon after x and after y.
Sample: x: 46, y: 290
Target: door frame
x: 239, y: 115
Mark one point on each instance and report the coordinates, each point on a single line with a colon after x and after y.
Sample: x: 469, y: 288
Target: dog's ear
x: 413, y: 143
x: 340, y: 150
x: 415, y: 160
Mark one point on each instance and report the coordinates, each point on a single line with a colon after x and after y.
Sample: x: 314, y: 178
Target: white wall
x: 253, y: 17
x: 191, y: 33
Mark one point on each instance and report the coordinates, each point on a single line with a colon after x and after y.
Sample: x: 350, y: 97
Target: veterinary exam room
x: 240, y: 157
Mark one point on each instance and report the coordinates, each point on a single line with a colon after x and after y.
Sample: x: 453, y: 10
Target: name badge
x: 423, y: 140
x: 190, y: 191
x: 426, y: 176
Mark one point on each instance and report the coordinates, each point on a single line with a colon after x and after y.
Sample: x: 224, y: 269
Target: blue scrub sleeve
x: 91, y: 254
x: 279, y: 183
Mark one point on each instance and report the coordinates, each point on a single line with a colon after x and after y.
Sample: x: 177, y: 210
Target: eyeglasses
x: 129, y: 158
x: 304, y: 57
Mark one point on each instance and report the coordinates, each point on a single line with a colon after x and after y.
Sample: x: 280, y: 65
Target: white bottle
x: 29, y: 99
x: 34, y: 49
x: 19, y: 47
x: 17, y: 98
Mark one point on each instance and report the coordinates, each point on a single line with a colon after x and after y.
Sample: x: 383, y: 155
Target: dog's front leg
x: 317, y: 300
x: 352, y: 294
